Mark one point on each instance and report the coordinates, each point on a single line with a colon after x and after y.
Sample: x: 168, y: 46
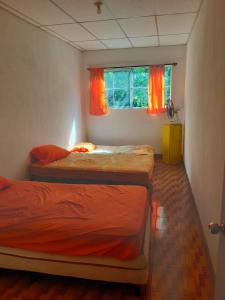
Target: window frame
x: 131, y: 87
x: 113, y: 88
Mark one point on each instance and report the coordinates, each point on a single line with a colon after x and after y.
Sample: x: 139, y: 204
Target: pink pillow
x: 4, y: 183
x: 48, y: 153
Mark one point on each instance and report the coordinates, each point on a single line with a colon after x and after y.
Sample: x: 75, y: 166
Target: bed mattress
x: 90, y: 267
x: 74, y: 220
x: 124, y: 168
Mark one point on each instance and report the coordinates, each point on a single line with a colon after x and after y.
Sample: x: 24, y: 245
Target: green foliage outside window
x: 167, y: 79
x: 140, y: 86
x: 117, y: 88
x: 128, y: 87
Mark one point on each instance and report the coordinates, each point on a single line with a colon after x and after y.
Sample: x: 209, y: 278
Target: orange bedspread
x: 74, y: 220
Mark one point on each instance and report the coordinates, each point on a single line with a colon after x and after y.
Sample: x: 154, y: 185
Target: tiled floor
x: 180, y: 269
x: 179, y: 266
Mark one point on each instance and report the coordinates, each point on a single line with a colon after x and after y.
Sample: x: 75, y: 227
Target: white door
x: 220, y: 274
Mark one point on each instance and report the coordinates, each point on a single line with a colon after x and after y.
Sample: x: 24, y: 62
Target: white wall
x: 133, y: 126
x: 205, y: 115
x: 40, y: 99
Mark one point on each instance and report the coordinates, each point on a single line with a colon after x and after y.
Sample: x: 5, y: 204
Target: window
x: 167, y: 80
x: 128, y: 87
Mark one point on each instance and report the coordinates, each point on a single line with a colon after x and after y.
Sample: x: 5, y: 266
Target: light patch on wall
x: 73, y: 136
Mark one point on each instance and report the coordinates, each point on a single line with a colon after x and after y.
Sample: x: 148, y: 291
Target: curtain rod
x: 167, y: 64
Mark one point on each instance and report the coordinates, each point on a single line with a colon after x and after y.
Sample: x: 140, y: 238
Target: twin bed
x: 88, y: 231
x: 106, y: 164
x: 94, y: 231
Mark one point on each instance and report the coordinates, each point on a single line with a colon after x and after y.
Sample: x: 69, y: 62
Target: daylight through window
x: 128, y: 87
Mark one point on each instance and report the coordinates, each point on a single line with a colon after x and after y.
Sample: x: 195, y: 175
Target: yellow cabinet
x: 172, y: 143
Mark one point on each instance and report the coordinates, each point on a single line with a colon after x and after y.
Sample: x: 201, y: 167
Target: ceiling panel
x: 134, y: 27
x: 177, y: 39
x: 175, y: 24
x: 90, y: 45
x: 104, y: 29
x: 72, y: 32
x: 42, y: 11
x: 121, y: 23
x: 117, y: 43
x: 176, y: 6
x: 130, y: 8
x: 146, y: 41
x: 83, y: 10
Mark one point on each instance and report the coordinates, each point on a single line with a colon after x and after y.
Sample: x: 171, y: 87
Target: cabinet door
x: 176, y: 142
x: 166, y: 143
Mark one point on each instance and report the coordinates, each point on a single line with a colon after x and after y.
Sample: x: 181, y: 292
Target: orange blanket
x: 74, y: 220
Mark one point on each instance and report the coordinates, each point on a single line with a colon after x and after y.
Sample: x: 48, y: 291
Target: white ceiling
x: 121, y: 24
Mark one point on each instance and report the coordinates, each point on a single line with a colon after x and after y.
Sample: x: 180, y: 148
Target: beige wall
x: 133, y: 126
x: 205, y: 115
x: 40, y: 100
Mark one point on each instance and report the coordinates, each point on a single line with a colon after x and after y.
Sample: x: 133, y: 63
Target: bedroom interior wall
x: 40, y: 94
x: 133, y: 126
x: 205, y: 115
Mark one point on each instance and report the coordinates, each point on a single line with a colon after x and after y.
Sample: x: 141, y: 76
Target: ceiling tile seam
x: 172, y: 34
x: 62, y: 10
x: 59, y: 7
x: 176, y: 14
x: 134, y: 47
x: 84, y: 22
x: 146, y: 36
x: 134, y: 17
x: 156, y: 22
x: 98, y: 40
x: 109, y: 10
x: 81, y: 41
x: 109, y: 49
x: 157, y: 29
x: 58, y: 24
x: 62, y: 23
x: 93, y: 21
x: 200, y: 6
x: 81, y: 48
x: 196, y: 18
x: 77, y: 41
x: 143, y: 36
x: 36, y: 24
x: 76, y: 46
x: 104, y: 44
x: 129, y: 37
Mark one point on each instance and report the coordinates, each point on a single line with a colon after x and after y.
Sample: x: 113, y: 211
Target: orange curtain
x: 98, y: 105
x: 156, y: 103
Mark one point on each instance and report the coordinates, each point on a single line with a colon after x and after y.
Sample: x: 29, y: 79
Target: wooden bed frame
x: 123, y: 169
